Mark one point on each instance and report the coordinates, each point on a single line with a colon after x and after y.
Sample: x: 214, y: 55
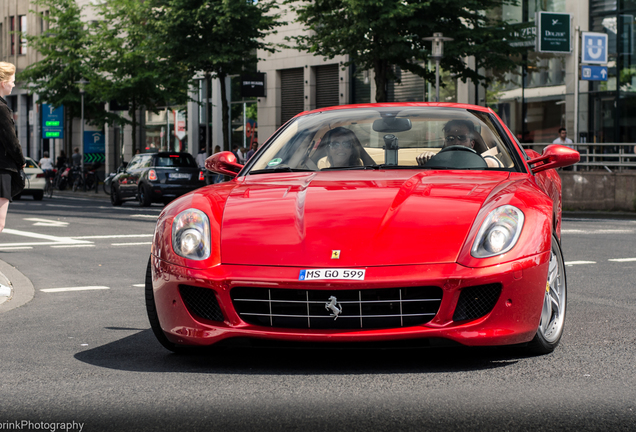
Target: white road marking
x: 622, y: 259
x: 73, y: 246
x: 145, y: 216
x: 571, y: 263
x: 598, y: 231
x: 131, y: 244
x: 114, y: 236
x: 139, y: 285
x: 15, y: 247
x: 84, y: 288
x: 64, y: 240
x: 47, y: 222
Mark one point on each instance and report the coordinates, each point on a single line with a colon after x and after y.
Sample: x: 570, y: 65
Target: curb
x: 14, y: 279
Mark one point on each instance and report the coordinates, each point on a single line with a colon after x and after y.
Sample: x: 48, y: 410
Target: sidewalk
x: 20, y: 289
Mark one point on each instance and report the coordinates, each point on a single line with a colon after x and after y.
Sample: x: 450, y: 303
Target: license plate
x: 180, y: 176
x: 340, y: 274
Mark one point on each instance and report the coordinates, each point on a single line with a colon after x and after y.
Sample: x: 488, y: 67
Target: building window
x: 12, y: 32
x: 44, y: 23
x: 23, y: 32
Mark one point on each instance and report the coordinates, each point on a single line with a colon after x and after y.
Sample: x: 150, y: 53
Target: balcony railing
x: 610, y: 157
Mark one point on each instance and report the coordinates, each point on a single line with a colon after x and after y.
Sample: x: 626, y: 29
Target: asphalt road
x: 88, y: 356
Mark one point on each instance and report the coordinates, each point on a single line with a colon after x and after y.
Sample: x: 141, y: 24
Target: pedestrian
x: 563, y: 138
x: 201, y: 157
x: 76, y: 157
x: 12, y: 159
x: 252, y: 150
x: 61, y: 160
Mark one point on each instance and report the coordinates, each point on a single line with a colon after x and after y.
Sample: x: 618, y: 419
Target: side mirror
x: 223, y: 163
x: 554, y: 156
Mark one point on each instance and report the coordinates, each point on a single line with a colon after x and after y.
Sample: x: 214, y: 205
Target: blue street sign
x: 94, y: 142
x: 52, y: 121
x: 594, y: 73
x: 594, y: 48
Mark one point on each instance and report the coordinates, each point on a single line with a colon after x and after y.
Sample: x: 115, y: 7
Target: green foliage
x: 217, y: 37
x: 123, y: 55
x: 377, y: 34
x: 64, y: 61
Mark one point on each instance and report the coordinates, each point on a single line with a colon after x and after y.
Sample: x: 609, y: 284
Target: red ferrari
x: 369, y: 222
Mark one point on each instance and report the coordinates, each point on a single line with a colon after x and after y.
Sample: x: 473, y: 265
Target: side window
x: 134, y: 163
x: 146, y: 162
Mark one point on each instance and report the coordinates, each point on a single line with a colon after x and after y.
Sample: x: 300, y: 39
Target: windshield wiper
x: 280, y: 169
x: 374, y: 167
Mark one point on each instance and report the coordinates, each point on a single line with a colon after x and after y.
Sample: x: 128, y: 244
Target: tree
x: 217, y: 37
x: 123, y: 54
x: 381, y: 34
x: 55, y: 78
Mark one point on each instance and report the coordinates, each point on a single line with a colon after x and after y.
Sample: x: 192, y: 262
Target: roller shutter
x: 292, y: 93
x: 411, y: 89
x: 327, y: 86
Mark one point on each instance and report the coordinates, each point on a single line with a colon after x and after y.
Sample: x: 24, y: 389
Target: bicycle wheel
x: 48, y: 191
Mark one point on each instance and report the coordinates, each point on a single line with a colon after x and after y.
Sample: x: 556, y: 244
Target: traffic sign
x: 594, y: 48
x: 554, y: 32
x: 94, y: 142
x: 52, y: 121
x: 593, y: 73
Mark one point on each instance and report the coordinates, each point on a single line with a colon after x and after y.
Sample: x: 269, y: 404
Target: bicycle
x: 48, y: 183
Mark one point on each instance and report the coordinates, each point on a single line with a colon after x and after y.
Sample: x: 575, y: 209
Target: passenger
x: 343, y: 149
x: 462, y: 132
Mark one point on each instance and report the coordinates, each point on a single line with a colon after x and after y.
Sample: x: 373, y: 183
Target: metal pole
x: 82, y: 141
x: 208, y: 132
x: 576, y: 84
x: 437, y: 80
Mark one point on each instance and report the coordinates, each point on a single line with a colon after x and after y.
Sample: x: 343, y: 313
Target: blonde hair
x: 7, y: 70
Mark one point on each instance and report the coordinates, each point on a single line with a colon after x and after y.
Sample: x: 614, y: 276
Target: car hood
x: 373, y: 218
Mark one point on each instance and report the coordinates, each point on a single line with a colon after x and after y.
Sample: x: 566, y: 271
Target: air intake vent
x: 475, y: 302
x: 337, y: 309
x: 201, y: 302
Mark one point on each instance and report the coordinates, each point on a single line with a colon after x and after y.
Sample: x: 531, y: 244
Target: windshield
x: 393, y: 137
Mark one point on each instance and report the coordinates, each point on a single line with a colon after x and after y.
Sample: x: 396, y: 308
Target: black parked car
x: 156, y: 177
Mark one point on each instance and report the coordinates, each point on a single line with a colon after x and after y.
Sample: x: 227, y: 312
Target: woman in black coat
x: 11, y: 157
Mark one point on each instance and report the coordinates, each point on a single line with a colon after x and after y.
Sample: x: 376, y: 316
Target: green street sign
x: 554, y: 32
x: 52, y: 134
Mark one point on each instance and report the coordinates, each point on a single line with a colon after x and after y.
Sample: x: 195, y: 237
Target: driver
x: 461, y: 132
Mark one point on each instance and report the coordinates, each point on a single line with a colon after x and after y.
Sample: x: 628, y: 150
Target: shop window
x: 23, y: 32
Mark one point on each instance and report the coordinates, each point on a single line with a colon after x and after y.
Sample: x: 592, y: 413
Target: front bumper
x: 513, y: 319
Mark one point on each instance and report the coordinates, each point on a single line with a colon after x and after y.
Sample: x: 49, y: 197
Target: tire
x: 115, y: 198
x: 151, y: 309
x: 143, y: 195
x: 48, y: 190
x: 554, y: 305
x: 62, y: 184
x: 38, y: 195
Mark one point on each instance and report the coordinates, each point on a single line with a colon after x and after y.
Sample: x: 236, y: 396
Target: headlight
x: 499, y: 232
x: 191, y: 235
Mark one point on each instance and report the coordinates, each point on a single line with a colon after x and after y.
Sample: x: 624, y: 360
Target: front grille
x: 360, y: 309
x: 475, y: 302
x: 201, y: 302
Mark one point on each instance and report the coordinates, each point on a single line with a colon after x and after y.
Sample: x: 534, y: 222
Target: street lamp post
x: 82, y: 83
x: 436, y: 53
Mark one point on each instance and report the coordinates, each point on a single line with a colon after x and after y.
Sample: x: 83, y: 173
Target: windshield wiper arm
x: 280, y: 169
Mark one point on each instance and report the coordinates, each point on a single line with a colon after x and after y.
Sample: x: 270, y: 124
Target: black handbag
x: 18, y: 180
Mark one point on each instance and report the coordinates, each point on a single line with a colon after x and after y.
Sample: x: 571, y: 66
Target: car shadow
x: 140, y: 352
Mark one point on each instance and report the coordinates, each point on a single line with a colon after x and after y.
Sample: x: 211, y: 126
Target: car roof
x: 400, y: 104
